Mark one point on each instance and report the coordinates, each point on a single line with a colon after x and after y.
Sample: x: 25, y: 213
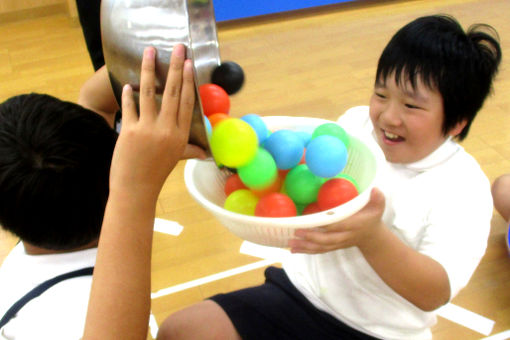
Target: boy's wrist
x: 133, y: 195
x: 374, y: 240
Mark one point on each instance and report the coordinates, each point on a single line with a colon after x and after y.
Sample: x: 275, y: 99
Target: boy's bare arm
x: 416, y: 277
x: 96, y: 94
x: 148, y: 148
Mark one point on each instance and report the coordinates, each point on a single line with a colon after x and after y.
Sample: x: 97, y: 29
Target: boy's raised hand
x: 151, y: 144
x: 148, y: 148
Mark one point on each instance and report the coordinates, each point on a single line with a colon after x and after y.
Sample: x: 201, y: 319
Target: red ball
x: 233, y: 183
x: 334, y: 192
x: 311, y: 208
x: 214, y: 99
x: 275, y: 205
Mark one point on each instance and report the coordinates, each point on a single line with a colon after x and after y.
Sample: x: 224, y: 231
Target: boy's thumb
x: 377, y: 200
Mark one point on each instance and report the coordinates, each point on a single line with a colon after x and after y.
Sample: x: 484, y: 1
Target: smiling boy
x: 382, y: 272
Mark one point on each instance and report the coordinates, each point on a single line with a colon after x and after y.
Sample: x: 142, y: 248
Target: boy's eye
x: 411, y: 106
x: 380, y: 95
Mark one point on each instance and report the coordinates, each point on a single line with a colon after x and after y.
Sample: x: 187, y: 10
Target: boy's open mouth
x: 392, y: 137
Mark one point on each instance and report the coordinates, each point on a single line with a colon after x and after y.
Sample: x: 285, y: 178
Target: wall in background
x: 238, y: 9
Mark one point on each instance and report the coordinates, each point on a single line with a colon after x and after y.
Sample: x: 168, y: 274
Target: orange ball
x: 217, y: 117
x: 274, y: 187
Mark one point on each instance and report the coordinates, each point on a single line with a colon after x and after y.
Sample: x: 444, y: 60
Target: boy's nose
x: 391, y: 115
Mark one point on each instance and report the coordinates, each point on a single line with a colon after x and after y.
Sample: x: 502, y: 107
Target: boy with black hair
x: 54, y: 187
x: 382, y: 272
x: 54, y: 174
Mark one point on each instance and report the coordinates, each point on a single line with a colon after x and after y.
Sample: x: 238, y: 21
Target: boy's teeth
x: 390, y: 135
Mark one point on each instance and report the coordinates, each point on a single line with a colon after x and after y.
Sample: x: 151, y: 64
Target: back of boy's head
x: 460, y: 65
x: 54, y: 171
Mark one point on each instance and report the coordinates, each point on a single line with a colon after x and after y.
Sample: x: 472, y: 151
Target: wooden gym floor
x: 310, y: 63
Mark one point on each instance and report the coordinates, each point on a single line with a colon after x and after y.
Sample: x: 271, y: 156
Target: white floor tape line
x: 466, y: 318
x: 167, y: 227
x: 505, y: 335
x: 264, y: 252
x: 211, y: 278
x: 153, y: 326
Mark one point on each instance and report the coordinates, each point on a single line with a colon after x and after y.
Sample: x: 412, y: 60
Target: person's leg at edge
x: 501, y: 195
x: 188, y: 323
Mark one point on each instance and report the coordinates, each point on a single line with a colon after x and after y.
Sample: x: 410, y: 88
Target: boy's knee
x: 204, y: 320
x: 501, y: 195
x: 181, y: 325
x: 165, y: 330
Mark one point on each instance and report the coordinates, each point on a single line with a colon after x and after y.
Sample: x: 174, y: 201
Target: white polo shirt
x: 60, y: 312
x: 441, y: 206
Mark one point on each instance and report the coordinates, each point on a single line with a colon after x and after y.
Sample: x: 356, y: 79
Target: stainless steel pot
x: 128, y: 26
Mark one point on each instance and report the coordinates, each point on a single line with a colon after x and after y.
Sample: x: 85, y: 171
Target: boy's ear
x: 458, y: 128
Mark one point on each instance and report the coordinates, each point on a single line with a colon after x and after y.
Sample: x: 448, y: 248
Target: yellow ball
x: 233, y: 143
x: 241, y: 201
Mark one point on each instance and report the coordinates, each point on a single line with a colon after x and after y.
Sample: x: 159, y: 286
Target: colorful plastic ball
x: 300, y: 208
x: 241, y: 201
x: 233, y: 183
x: 276, y: 186
x: 215, y: 118
x: 302, y: 185
x: 258, y: 125
x: 282, y: 173
x: 208, y: 126
x: 233, y: 143
x: 335, y: 192
x: 326, y: 156
x: 214, y: 99
x: 306, y: 137
x: 286, y: 147
x: 349, y: 178
x: 260, y: 172
x: 311, y: 208
x: 275, y: 205
x: 331, y: 129
x: 229, y: 75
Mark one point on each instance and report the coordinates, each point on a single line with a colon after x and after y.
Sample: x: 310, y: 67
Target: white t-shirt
x: 58, y: 313
x: 441, y: 206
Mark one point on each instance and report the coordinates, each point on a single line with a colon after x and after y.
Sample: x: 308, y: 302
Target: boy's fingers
x: 148, y: 83
x: 187, y: 100
x: 172, y: 93
x: 129, y: 114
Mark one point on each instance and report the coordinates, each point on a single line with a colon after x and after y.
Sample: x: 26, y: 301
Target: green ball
x: 302, y: 185
x: 260, y: 172
x: 332, y: 129
x: 300, y: 208
x: 241, y: 201
x: 233, y: 143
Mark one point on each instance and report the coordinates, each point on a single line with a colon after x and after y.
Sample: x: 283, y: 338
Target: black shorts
x: 277, y: 310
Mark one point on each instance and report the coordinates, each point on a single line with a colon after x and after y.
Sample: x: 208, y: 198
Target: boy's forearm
x: 416, y: 277
x: 122, y: 274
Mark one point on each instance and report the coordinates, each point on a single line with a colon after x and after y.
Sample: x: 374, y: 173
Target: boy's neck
x: 31, y: 249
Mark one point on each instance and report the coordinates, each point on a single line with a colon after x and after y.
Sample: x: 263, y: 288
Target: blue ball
x: 326, y: 156
x: 306, y: 137
x: 286, y: 147
x: 208, y: 126
x: 258, y: 125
